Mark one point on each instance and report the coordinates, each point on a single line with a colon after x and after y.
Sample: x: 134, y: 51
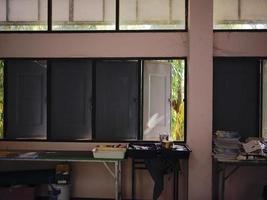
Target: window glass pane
x: 1, y: 98
x: 116, y: 100
x: 23, y: 15
x: 264, y: 100
x: 152, y: 14
x: 240, y: 14
x: 83, y: 14
x: 163, y: 109
x: 236, y: 96
x: 71, y: 100
x: 177, y: 99
x: 25, y: 107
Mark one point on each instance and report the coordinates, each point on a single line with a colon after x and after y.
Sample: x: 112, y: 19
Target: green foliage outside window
x: 245, y: 26
x: 15, y: 27
x: 177, y: 97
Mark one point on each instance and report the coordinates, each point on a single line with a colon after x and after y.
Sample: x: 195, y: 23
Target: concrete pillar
x: 199, y: 99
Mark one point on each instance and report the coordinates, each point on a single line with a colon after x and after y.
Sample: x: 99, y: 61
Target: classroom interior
x: 211, y: 38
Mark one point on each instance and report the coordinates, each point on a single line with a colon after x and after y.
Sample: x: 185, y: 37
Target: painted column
x: 199, y: 97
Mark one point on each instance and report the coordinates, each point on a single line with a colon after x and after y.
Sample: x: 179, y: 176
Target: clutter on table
x: 227, y: 145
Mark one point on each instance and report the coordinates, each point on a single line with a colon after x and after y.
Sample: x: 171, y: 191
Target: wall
x: 94, y: 45
x: 199, y: 45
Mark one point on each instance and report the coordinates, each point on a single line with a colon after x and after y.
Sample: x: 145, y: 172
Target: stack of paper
x: 226, y: 144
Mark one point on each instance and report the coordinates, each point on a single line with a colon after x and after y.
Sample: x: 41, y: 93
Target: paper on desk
x: 178, y: 147
x: 28, y: 155
x: 252, y: 146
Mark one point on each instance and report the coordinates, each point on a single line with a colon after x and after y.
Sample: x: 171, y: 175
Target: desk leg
x: 215, y: 180
x: 175, y: 181
x: 118, y: 192
x: 133, y: 178
x: 186, y: 171
x: 174, y: 184
x: 222, y: 184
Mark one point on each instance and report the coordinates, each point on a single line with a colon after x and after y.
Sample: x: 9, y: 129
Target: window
x: 23, y: 15
x: 152, y: 14
x: 117, y: 100
x: 264, y: 99
x: 1, y: 99
x: 163, y: 99
x: 92, y: 15
x: 240, y: 14
x: 236, y: 96
x: 70, y: 100
x: 83, y: 14
x: 25, y: 108
x: 87, y: 99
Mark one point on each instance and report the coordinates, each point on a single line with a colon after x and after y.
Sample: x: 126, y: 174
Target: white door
x: 157, y: 92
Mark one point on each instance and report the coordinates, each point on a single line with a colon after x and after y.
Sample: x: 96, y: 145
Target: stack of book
x: 226, y: 145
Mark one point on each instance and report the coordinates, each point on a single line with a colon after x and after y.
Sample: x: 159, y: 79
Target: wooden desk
x: 65, y: 156
x: 173, y: 155
x: 220, y: 175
